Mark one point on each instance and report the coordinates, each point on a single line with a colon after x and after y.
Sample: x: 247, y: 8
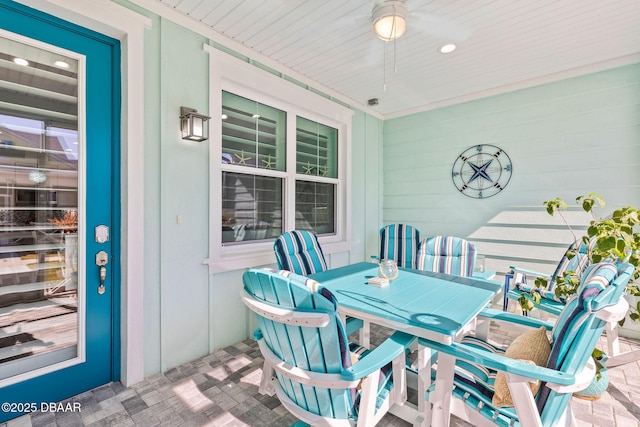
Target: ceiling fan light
x: 390, y: 20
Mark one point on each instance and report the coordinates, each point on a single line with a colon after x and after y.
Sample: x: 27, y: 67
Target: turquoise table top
x: 435, y: 306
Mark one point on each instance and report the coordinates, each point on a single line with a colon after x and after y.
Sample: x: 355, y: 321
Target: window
x: 254, y: 141
x: 253, y: 138
x: 279, y: 158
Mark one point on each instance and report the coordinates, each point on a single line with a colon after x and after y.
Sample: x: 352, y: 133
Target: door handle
x: 102, y: 258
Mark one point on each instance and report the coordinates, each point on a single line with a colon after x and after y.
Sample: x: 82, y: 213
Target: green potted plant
x: 600, y: 381
x: 616, y: 237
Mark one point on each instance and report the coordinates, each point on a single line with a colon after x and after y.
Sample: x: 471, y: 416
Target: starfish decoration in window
x: 268, y: 163
x: 324, y: 170
x: 242, y: 160
x: 308, y: 169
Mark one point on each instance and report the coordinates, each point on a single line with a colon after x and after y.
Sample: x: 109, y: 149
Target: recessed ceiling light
x: 21, y: 61
x: 448, y: 48
x: 37, y: 176
x: 224, y: 117
x: 256, y: 116
x: 61, y: 64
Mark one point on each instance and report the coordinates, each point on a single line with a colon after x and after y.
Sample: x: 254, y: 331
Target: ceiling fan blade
x: 438, y: 27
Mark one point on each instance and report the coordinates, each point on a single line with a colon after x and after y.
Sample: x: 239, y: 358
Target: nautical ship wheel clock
x: 482, y: 171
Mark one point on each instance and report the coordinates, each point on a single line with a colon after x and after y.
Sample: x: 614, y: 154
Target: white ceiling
x: 502, y: 44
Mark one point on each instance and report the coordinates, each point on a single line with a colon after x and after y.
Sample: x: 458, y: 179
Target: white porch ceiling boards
x: 502, y: 44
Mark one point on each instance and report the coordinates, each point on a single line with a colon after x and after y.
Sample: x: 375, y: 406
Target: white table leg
x: 440, y: 410
x: 423, y: 366
x: 365, y: 334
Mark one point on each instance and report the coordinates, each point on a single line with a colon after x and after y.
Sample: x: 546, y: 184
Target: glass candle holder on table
x: 388, y: 269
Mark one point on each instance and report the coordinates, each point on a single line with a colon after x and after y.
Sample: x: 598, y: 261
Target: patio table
x: 436, y: 306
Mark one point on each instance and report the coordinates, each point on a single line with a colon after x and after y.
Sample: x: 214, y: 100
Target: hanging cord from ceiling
x: 384, y: 59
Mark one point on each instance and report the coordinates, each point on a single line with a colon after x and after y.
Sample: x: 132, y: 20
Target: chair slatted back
x: 318, y: 349
x: 578, y: 263
x: 578, y: 329
x: 400, y: 243
x: 447, y: 254
x: 299, y: 251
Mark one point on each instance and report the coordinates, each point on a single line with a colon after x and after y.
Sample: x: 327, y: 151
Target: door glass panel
x: 39, y: 290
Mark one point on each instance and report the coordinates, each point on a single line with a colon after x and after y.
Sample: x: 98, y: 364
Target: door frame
x: 123, y: 24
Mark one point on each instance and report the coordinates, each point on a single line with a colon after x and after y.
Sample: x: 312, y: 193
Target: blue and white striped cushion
x: 571, y: 320
x: 400, y: 243
x: 577, y: 264
x: 299, y: 251
x: 447, y: 254
x: 474, y: 383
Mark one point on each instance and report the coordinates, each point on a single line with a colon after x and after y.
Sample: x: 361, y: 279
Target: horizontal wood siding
x: 565, y: 139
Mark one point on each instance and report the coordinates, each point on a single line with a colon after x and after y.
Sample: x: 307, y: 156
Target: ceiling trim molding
x: 524, y: 84
x: 206, y: 31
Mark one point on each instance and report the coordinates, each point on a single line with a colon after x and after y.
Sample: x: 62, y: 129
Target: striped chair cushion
x: 447, y: 254
x: 570, y: 324
x: 299, y: 251
x: 474, y: 384
x: 575, y: 334
x: 400, y: 242
x: 385, y: 381
x: 577, y: 264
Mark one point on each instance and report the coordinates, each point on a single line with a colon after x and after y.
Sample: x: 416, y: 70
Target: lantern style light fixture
x: 193, y: 125
x: 390, y: 20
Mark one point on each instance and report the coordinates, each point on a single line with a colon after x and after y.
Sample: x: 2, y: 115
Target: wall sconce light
x: 193, y: 125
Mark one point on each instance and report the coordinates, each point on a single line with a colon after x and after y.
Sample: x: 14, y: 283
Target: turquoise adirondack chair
x: 520, y: 281
x: 318, y: 376
x: 569, y: 367
x: 447, y: 254
x: 400, y: 243
x: 299, y: 251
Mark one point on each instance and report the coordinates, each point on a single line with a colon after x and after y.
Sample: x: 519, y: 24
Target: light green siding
x: 187, y: 311
x: 565, y: 139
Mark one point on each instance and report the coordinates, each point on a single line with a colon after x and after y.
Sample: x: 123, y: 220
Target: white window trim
x: 244, y: 79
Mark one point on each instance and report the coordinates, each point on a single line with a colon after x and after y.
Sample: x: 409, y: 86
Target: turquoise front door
x: 59, y: 210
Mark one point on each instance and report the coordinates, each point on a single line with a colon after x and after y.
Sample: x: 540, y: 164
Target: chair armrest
x: 500, y: 363
x: 504, y: 316
x: 529, y: 272
x: 353, y: 324
x: 392, y: 347
x: 615, y: 312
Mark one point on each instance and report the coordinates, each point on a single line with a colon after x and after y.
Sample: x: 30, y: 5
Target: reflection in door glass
x: 38, y: 208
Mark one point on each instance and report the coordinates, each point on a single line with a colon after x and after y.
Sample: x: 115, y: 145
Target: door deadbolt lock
x: 102, y: 234
x: 102, y: 258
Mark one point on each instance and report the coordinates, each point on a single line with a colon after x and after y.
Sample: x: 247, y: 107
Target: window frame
x: 245, y: 79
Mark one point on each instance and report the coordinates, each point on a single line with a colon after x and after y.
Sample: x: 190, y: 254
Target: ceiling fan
x: 403, y: 14
x: 391, y: 18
